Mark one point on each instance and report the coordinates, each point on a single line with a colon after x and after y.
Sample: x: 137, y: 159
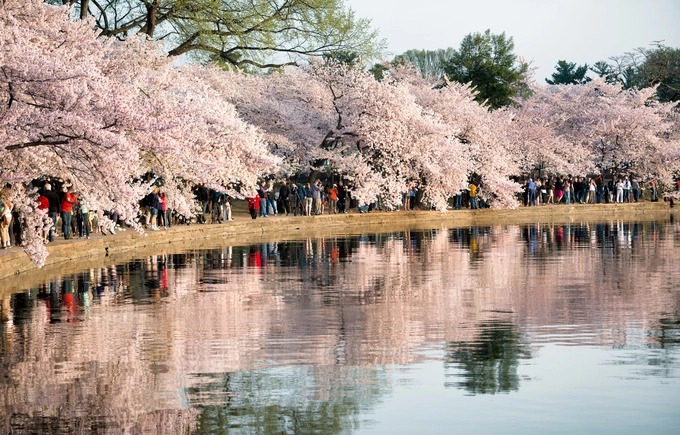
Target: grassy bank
x: 18, y: 272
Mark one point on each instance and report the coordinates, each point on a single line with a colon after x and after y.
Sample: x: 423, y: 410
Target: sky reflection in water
x: 540, y: 328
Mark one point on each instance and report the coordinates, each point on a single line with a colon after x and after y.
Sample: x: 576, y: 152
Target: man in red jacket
x: 66, y: 208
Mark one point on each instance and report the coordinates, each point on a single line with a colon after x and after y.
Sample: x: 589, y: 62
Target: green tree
x: 260, y: 33
x: 645, y: 67
x: 569, y: 74
x: 605, y: 70
x: 489, y: 364
x: 488, y: 62
x: 351, y: 59
x: 262, y: 402
x: 662, y: 67
x: 378, y: 71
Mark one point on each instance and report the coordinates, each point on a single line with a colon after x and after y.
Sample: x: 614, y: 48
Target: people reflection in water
x: 364, y: 300
x: 153, y: 277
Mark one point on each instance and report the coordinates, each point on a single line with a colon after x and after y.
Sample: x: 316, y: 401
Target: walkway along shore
x: 17, y: 272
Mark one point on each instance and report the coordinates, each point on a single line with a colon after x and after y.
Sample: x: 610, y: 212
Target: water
x: 543, y: 328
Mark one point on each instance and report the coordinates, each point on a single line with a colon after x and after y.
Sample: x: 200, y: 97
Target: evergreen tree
x: 487, y: 62
x: 569, y: 74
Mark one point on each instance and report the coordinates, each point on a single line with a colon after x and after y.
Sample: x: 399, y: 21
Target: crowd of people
x: 303, y: 199
x: 584, y: 190
x: 72, y: 215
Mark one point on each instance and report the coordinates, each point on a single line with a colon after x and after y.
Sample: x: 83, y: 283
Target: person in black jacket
x: 155, y: 207
x: 203, y: 198
x: 342, y: 198
x: 284, y: 197
x: 53, y: 209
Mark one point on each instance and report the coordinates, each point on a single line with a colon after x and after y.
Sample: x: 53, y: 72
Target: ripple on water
x: 384, y: 332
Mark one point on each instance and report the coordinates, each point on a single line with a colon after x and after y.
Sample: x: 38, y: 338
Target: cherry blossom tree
x: 601, y: 126
x: 374, y: 133
x: 384, y: 139
x: 491, y: 154
x: 61, y: 116
x: 101, y: 113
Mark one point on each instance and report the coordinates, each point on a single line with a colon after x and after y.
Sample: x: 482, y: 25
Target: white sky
x: 545, y: 31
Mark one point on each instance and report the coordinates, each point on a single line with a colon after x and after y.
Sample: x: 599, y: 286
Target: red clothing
x: 67, y: 202
x: 164, y: 279
x: 254, y: 203
x: 334, y: 194
x: 164, y: 202
x: 43, y: 203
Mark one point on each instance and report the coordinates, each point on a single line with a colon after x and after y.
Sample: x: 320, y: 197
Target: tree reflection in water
x: 489, y: 364
x: 278, y: 401
x: 300, y: 336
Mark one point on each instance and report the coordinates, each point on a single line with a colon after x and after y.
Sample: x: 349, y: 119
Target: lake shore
x: 18, y: 272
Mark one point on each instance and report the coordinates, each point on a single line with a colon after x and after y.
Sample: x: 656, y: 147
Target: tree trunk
x: 313, y: 176
x: 151, y: 10
x: 84, y: 7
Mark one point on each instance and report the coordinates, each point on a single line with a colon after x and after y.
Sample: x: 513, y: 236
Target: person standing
x: 413, y: 192
x: 284, y: 197
x: 333, y: 197
x: 253, y: 205
x: 626, y: 190
x: 217, y: 206
x: 635, y: 186
x: 165, y: 216
x: 309, y: 198
x: 44, y: 206
x: 154, y: 207
x: 67, y: 204
x: 6, y: 208
x: 592, y: 189
x: 559, y: 190
x: 473, y: 195
x: 203, y: 197
x: 566, y: 190
x: 342, y: 198
x: 300, y: 193
x: 458, y: 200
x: 317, y: 190
x: 654, y: 187
x: 406, y: 198
x: 539, y: 191
x: 83, y: 218
x: 54, y: 206
x: 227, y: 208
x: 262, y: 194
x: 531, y: 186
x: 271, y: 200
x: 599, y: 185
x: 619, y: 191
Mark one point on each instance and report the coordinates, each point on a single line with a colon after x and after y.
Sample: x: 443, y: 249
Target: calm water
x: 533, y: 329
